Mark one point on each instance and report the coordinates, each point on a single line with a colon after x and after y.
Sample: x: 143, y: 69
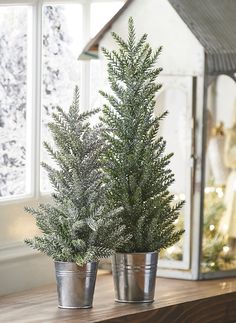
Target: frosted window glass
x: 62, y: 42
x: 179, y: 142
x: 219, y: 221
x: 14, y: 43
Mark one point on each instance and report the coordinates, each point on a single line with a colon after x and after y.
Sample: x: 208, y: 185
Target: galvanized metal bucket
x: 134, y: 277
x: 75, y: 284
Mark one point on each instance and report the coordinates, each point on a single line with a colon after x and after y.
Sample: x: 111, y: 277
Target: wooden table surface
x: 177, y: 301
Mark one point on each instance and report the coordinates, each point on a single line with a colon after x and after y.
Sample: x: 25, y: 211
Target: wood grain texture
x: 177, y: 301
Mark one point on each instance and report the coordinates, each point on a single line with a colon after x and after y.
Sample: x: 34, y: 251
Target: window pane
x: 101, y: 13
x: 62, y: 41
x: 219, y: 225
x: 14, y: 43
x: 178, y: 121
x: 176, y: 97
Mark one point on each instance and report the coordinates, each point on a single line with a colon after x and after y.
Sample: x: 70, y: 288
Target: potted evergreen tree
x: 76, y: 229
x: 136, y: 169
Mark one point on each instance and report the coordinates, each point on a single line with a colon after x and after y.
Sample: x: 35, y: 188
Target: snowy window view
x: 62, y: 41
x: 14, y: 23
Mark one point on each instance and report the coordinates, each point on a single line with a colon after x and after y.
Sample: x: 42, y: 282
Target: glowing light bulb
x: 212, y: 227
x: 176, y: 221
x: 226, y: 249
x: 219, y: 192
x: 182, y: 197
x: 209, y: 189
x: 170, y: 250
x: 220, y: 195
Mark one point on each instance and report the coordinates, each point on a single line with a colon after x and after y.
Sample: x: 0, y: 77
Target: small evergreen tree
x: 76, y: 227
x: 137, y: 177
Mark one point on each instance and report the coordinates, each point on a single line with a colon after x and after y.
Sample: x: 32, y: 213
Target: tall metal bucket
x: 134, y: 277
x: 75, y: 284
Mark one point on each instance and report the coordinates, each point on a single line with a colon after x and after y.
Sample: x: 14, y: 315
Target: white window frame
x: 35, y: 80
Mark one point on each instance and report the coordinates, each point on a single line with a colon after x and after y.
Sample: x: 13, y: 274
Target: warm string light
x: 216, y: 235
x: 218, y: 190
x: 226, y: 249
x: 171, y: 250
x: 210, y: 189
x: 212, y: 227
x: 176, y: 221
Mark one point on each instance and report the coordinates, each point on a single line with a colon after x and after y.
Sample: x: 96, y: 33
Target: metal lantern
x: 199, y: 91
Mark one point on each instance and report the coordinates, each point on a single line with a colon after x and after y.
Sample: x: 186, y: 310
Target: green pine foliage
x: 136, y: 168
x: 76, y: 227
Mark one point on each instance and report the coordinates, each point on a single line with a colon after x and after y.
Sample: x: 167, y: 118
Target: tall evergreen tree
x: 76, y: 227
x: 136, y: 168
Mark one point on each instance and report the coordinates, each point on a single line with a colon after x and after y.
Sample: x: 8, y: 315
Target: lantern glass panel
x: 219, y: 216
x: 176, y: 98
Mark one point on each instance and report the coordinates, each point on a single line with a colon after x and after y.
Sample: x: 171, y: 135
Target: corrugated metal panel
x: 213, y: 22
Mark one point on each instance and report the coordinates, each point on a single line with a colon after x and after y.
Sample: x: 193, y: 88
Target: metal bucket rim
x: 136, y: 253
x: 75, y: 263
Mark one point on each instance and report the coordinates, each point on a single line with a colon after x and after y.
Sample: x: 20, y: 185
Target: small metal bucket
x: 134, y: 277
x: 75, y: 284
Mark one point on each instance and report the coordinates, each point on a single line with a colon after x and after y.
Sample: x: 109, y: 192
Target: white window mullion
x: 85, y: 70
x: 29, y: 108
x: 36, y: 106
